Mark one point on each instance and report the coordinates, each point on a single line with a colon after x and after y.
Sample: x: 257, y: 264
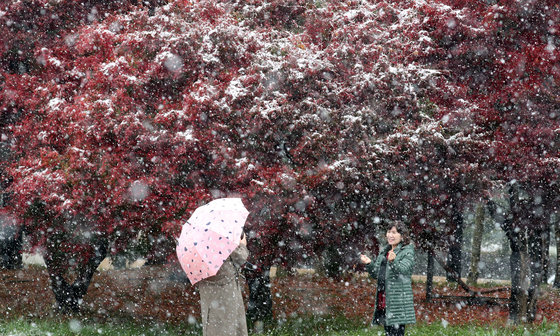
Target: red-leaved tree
x: 506, y: 57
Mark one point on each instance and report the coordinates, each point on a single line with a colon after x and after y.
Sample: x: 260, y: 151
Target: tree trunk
x: 455, y: 249
x: 332, y: 262
x: 156, y: 246
x: 515, y: 227
x: 519, y: 266
x: 557, y: 273
x: 536, y: 254
x: 545, y: 254
x: 430, y: 276
x: 259, y: 307
x: 472, y: 277
x: 11, y: 241
x: 68, y: 296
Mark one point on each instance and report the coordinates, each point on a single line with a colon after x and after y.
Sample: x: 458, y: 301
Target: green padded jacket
x: 398, y: 284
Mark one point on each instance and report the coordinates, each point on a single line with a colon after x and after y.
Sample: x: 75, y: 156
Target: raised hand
x: 365, y: 259
x: 391, y: 256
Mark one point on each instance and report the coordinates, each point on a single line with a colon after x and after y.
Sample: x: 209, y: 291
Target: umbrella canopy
x: 209, y: 236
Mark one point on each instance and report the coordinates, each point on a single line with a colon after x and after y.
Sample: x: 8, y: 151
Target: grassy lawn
x: 303, y: 327
x: 75, y: 327
x: 342, y: 327
x: 423, y: 330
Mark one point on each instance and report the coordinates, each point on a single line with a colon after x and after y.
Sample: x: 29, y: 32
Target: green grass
x: 310, y: 326
x: 470, y: 330
x: 74, y: 327
x: 336, y: 326
x: 314, y: 325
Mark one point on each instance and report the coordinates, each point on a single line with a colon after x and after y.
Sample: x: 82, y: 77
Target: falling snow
x: 328, y: 119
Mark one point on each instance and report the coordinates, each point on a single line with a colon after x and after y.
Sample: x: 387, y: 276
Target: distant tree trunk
x: 456, y: 248
x: 525, y: 234
x: 429, y: 276
x: 536, y: 242
x: 259, y: 308
x: 11, y: 242
x: 472, y: 277
x: 545, y: 253
x: 332, y: 262
x: 519, y: 266
x: 68, y: 295
x: 158, y: 247
x: 557, y: 273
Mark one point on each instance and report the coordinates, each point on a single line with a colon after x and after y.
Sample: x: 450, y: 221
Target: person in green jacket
x: 394, y: 305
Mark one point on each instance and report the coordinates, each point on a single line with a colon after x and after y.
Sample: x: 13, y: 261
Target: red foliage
x: 510, y: 67
x: 143, y: 117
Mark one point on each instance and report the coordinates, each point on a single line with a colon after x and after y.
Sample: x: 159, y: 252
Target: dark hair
x: 402, y: 228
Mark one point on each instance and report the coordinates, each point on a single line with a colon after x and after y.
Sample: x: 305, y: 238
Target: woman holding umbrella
x: 394, y: 306
x: 221, y: 299
x: 212, y: 250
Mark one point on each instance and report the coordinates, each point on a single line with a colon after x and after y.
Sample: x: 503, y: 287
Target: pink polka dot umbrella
x: 209, y: 236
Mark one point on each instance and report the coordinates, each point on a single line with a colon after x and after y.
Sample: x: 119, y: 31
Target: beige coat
x: 221, y: 299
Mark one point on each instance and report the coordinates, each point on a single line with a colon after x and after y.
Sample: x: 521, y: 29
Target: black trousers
x: 394, y: 330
